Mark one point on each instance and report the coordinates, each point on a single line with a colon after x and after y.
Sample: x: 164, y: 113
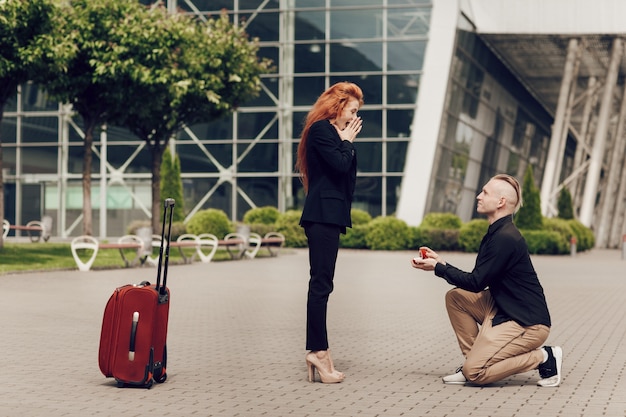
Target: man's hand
x: 427, y: 260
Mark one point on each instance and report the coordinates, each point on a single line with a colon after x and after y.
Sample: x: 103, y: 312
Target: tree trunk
x: 157, y: 155
x: 1, y: 181
x: 87, y: 162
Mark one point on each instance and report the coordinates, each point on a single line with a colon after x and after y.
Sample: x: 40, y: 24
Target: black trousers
x: 323, y: 247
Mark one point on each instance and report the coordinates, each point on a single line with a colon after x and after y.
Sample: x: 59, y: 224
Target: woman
x: 327, y: 165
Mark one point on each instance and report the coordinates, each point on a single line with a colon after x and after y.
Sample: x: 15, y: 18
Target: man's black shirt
x: 503, y: 265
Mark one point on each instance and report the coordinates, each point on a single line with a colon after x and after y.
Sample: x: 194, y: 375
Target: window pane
x: 371, y: 85
x: 367, y: 195
x: 309, y: 58
x: 356, y: 57
x: 356, y: 24
x: 262, y: 157
x: 8, y: 130
x: 35, y: 98
x: 193, y: 159
x: 399, y: 123
x: 396, y: 156
x: 356, y: 3
x: 262, y: 25
x: 406, y: 55
x: 40, y: 160
x: 369, y: 156
x: 39, y: 129
x: 306, y: 90
x: 251, y: 125
x: 408, y: 22
x: 402, y: 89
x: 262, y: 191
x: 310, y: 25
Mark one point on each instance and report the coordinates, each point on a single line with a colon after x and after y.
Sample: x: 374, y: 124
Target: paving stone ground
x: 236, y: 342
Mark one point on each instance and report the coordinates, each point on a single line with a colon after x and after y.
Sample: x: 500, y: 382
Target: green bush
x: 418, y: 237
x: 388, y: 233
x: 544, y: 242
x: 441, y: 221
x: 261, y: 228
x: 354, y: 237
x: 212, y: 221
x: 564, y: 204
x: 436, y: 239
x: 288, y: 224
x: 584, y: 235
x: 529, y: 216
x: 262, y: 215
x: 360, y: 217
x: 471, y: 234
x: 562, y: 227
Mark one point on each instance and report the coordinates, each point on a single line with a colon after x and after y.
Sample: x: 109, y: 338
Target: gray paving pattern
x: 236, y: 342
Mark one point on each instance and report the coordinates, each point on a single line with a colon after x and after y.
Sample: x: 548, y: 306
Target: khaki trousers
x: 492, y: 353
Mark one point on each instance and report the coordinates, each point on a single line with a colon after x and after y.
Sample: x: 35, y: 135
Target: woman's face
x: 348, y: 113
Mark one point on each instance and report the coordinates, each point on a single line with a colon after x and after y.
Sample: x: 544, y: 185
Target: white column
x: 554, y: 158
x: 597, y: 152
x: 103, y: 182
x: 420, y: 156
x: 285, y: 113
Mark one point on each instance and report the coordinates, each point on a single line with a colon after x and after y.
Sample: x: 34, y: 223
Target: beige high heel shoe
x: 320, y: 360
x: 332, y: 365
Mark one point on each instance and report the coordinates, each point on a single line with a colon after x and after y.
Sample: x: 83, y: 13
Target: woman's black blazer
x: 332, y: 176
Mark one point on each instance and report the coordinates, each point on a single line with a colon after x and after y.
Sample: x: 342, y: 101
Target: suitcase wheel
x: 162, y: 378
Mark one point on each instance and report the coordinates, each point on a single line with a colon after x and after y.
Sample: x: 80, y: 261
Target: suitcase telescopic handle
x: 168, y: 204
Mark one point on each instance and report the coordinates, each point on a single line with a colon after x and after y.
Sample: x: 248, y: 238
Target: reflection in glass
x: 408, y: 22
x: 193, y: 159
x: 306, y: 90
x: 310, y: 25
x: 371, y: 85
x: 310, y: 58
x: 402, y: 89
x: 399, y: 123
x: 368, y: 194
x: 40, y: 129
x: 261, y: 190
x: 396, y: 156
x: 369, y: 156
x: 405, y: 55
x: 356, y: 57
x: 39, y: 160
x: 260, y: 157
x: 356, y: 24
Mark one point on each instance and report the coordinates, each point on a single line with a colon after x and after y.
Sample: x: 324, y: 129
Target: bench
x: 235, y: 244
x: 272, y: 241
x: 36, y: 229
x: 187, y: 241
x: 123, y: 244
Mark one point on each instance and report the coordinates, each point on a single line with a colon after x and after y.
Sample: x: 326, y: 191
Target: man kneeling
x: 498, y: 311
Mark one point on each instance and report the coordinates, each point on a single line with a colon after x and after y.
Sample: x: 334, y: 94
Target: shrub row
x: 439, y: 231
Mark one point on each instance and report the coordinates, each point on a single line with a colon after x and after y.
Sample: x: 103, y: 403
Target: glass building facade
x: 246, y: 160
x: 490, y: 123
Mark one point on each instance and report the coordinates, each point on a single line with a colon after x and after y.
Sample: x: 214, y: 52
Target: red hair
x: 327, y: 107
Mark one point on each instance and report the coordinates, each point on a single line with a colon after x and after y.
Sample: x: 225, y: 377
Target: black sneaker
x: 550, y: 370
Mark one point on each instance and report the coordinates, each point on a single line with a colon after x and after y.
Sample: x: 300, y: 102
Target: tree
x: 96, y: 91
x: 529, y: 216
x: 185, y: 72
x: 171, y: 184
x: 564, y: 204
x: 24, y: 52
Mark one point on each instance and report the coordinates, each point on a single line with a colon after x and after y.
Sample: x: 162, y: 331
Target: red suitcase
x: 133, y: 347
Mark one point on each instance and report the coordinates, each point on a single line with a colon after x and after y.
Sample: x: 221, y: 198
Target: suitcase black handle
x: 169, y: 203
